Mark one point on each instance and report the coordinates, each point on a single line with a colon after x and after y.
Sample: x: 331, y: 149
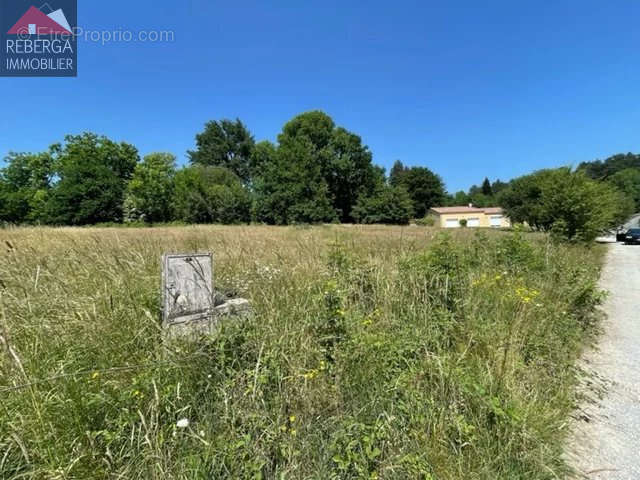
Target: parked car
x: 621, y: 235
x: 632, y: 236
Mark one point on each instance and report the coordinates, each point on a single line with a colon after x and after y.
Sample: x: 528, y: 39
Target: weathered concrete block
x: 191, y: 306
x: 237, y: 306
x: 187, y: 287
x: 193, y: 328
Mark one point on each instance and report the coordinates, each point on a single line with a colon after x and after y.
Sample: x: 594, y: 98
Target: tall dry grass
x: 374, y: 352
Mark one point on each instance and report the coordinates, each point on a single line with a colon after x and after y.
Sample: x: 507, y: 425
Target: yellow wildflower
x: 310, y: 375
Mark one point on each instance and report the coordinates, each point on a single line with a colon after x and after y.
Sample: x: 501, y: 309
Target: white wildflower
x: 183, y: 423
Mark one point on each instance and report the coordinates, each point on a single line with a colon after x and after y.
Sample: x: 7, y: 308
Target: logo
x: 39, y: 41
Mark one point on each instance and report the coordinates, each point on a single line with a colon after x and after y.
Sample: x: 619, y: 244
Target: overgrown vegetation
x: 375, y: 352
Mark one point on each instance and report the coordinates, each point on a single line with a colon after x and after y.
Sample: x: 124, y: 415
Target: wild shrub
x: 356, y: 447
x: 426, y: 221
x: 438, y: 275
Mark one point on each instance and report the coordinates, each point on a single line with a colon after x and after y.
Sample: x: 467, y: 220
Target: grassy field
x: 374, y: 353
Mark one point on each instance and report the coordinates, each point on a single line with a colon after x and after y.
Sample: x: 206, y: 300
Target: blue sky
x: 469, y: 89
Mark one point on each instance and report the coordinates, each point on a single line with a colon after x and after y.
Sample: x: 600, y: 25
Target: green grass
x: 374, y: 352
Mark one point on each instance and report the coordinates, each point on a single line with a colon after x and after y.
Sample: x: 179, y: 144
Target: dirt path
x: 606, y: 442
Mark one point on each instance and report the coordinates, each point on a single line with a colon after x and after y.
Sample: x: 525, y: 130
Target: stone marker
x: 191, y: 306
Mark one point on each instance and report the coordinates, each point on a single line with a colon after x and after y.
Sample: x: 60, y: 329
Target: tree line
x: 316, y: 172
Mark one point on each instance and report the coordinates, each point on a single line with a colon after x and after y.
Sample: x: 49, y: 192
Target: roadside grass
x: 374, y: 352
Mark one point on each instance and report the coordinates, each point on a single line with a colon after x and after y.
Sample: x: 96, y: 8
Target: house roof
x: 491, y: 210
x: 463, y: 209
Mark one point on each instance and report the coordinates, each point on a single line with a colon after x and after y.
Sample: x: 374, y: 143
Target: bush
x: 389, y: 205
x: 426, y: 221
x: 567, y: 203
x: 463, y: 222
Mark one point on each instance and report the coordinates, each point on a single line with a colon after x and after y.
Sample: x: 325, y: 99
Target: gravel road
x: 606, y: 439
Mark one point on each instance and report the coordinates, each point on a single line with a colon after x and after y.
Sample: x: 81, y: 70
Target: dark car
x: 632, y: 236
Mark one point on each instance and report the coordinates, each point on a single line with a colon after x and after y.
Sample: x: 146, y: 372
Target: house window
x: 496, y: 221
x: 452, y: 223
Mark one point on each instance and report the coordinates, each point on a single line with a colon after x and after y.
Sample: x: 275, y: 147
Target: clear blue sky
x: 467, y: 88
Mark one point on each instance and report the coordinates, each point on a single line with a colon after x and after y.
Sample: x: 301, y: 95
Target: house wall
x: 484, y: 219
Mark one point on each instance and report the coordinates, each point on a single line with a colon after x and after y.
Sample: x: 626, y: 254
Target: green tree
x: 460, y: 198
x: 292, y: 188
x: 24, y: 186
x: 388, y: 205
x: 481, y: 200
x: 628, y: 181
x: 205, y: 194
x: 350, y: 172
x: 486, y: 188
x: 565, y: 202
x: 478, y: 197
x: 150, y: 191
x: 314, y: 159
x: 396, y: 173
x: 227, y: 144
x: 603, y: 170
x: 424, y: 187
x: 498, y: 186
x: 263, y: 154
x: 92, y: 173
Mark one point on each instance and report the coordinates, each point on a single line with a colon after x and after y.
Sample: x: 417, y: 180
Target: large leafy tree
x: 388, y: 205
x: 565, y: 202
x: 424, y: 187
x: 150, y: 191
x: 205, y: 194
x: 24, y: 186
x: 396, y: 172
x: 317, y: 173
x: 225, y: 143
x: 92, y: 173
x: 292, y: 188
x: 263, y: 154
x: 350, y: 173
